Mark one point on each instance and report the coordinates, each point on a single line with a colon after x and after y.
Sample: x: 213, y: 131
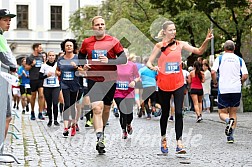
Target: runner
x: 125, y: 95
x: 69, y: 82
x: 103, y: 53
x: 232, y: 74
x: 25, y: 88
x: 51, y: 87
x: 170, y: 78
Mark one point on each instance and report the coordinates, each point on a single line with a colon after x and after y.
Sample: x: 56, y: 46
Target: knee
x: 97, y: 110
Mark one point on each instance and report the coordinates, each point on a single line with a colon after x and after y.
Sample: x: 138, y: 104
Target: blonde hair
x: 94, y: 18
x: 164, y: 27
x: 132, y: 57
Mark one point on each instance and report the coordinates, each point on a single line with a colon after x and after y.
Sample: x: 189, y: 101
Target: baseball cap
x: 6, y: 12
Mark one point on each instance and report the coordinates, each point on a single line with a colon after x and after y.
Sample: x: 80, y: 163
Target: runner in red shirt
x: 102, y: 53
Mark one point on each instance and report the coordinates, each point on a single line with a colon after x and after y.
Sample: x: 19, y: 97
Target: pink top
x: 196, y: 83
x: 126, y: 74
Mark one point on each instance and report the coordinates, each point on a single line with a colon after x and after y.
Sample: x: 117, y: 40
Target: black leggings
x: 149, y: 93
x: 69, y: 103
x: 125, y: 106
x: 164, y: 98
x: 51, y: 97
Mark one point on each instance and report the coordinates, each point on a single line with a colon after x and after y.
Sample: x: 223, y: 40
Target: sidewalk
x: 39, y: 145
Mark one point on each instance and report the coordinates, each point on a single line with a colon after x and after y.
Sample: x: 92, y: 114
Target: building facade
x: 40, y: 21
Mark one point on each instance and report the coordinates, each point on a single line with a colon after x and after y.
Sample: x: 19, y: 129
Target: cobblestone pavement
x: 39, y: 145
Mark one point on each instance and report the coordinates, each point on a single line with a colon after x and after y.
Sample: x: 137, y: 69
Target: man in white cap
x: 6, y: 56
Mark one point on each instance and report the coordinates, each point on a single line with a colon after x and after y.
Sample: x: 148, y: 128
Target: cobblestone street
x: 39, y: 145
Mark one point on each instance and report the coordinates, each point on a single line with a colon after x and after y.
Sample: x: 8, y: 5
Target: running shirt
x: 230, y: 70
x: 68, y: 79
x: 126, y: 74
x: 185, y: 75
x: 196, y: 83
x: 207, y: 84
x: 51, y: 81
x: 170, y: 75
x: 148, y: 77
x: 108, y: 46
x: 23, y: 80
x: 6, y: 56
x: 34, y: 71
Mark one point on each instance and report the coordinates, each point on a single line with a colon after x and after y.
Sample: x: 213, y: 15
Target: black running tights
x: 165, y: 97
x: 125, y: 106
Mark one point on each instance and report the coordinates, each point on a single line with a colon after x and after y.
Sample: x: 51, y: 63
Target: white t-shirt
x: 230, y: 70
x: 185, y: 74
x: 51, y: 81
x: 207, y: 84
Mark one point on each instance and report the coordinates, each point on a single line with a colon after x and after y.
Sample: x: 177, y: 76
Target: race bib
x: 85, y: 84
x: 27, y: 86
x: 97, y: 53
x: 172, y: 67
x: 38, y: 63
x: 122, y: 85
x: 68, y: 75
x: 50, y: 81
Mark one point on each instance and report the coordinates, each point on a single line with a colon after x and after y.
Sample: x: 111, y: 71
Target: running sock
x: 99, y: 135
x: 227, y: 120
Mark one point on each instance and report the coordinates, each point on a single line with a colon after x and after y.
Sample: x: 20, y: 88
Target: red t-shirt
x: 108, y: 46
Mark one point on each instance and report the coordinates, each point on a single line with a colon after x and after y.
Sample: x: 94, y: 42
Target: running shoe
x: 164, y: 148
x: 49, y: 124
x: 17, y: 107
x: 88, y: 124
x: 65, y: 133
x: 77, y: 128
x: 171, y: 119
x: 148, y: 116
x: 14, y: 106
x: 116, y: 113
x: 230, y: 139
x: 40, y: 116
x: 23, y: 112
x: 33, y: 116
x: 229, y: 130
x: 73, y: 131
x: 158, y: 113
x: 129, y: 129
x: 124, y: 135
x: 100, y: 145
x: 56, y: 123
x: 139, y: 112
x: 199, y: 119
x: 27, y: 108
x: 180, y: 150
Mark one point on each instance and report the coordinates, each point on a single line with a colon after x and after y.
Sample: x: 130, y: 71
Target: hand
x: 209, y: 34
x: 49, y: 74
x: 33, y: 62
x: 86, y: 67
x: 132, y: 84
x: 58, y: 73
x: 73, y: 64
x: 103, y: 59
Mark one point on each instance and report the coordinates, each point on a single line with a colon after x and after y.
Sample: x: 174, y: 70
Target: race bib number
x: 27, y: 86
x: 122, y: 85
x: 50, y: 81
x: 85, y: 84
x: 38, y: 63
x: 97, y: 53
x: 172, y: 67
x: 68, y: 75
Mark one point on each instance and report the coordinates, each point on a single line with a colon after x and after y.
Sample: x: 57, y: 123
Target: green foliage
x: 247, y: 99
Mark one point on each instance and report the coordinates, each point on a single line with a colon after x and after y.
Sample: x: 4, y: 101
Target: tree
x: 232, y: 18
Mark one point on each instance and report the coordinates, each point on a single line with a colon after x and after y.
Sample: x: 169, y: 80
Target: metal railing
x: 5, y: 104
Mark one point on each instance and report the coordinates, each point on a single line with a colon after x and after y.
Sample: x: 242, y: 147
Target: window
x: 22, y: 16
x: 56, y: 17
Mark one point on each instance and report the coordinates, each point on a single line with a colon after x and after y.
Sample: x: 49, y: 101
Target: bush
x: 247, y: 92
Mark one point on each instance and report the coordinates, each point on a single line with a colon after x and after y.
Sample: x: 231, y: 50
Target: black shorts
x: 24, y: 90
x: 101, y: 91
x: 229, y: 100
x: 36, y: 84
x: 198, y: 92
